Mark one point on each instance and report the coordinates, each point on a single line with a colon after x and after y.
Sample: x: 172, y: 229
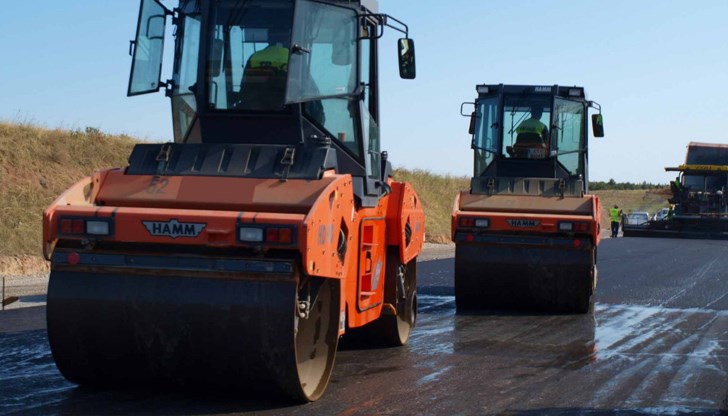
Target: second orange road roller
x: 527, y: 231
x: 236, y: 257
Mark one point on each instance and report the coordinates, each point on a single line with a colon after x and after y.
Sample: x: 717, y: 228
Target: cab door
x: 148, y: 48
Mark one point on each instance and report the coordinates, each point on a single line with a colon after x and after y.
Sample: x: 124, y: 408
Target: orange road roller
x: 527, y: 231
x: 238, y: 255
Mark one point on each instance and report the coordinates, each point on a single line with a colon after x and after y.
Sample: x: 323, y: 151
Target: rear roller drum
x: 465, y: 299
x: 574, y: 292
x: 475, y: 287
x: 490, y: 277
x: 275, y: 336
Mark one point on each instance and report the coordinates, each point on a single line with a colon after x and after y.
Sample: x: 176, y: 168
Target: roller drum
x: 531, y: 278
x: 241, y: 334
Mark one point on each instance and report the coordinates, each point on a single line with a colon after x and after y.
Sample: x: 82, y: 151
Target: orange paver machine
x: 526, y: 233
x: 236, y: 257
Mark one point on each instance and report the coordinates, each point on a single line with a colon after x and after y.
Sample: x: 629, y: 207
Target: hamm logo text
x: 523, y: 223
x: 174, y: 228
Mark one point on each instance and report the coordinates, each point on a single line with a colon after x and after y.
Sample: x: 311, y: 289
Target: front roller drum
x: 274, y: 334
x: 526, y: 278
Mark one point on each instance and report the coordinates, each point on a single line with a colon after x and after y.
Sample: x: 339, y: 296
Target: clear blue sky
x: 658, y: 68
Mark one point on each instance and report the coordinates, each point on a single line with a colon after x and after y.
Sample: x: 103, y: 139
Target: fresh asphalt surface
x: 656, y: 342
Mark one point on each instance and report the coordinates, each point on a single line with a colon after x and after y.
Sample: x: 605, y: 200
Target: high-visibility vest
x: 614, y: 214
x: 531, y: 125
x: 273, y: 56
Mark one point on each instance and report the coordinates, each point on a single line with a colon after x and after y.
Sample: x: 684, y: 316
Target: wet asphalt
x: 656, y: 342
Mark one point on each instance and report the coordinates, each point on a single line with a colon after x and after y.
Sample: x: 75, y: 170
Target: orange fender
x: 404, y: 211
x: 330, y: 219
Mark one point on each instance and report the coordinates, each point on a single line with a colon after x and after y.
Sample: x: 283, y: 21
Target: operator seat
x: 262, y: 88
x: 524, y: 144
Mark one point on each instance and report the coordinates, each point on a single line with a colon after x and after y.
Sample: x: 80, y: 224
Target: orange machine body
x: 322, y: 225
x: 528, y: 215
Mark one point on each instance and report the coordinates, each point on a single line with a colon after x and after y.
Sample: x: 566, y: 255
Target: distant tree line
x: 614, y: 185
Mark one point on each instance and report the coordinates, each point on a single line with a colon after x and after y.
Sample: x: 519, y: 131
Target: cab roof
x: 573, y: 92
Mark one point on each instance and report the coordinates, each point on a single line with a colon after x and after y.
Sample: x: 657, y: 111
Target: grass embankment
x: 38, y: 164
x: 437, y: 193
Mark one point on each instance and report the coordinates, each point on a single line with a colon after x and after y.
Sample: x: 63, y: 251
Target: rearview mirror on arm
x: 597, y: 125
x: 406, y: 48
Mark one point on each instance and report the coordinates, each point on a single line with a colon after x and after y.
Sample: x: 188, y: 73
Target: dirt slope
x: 36, y: 165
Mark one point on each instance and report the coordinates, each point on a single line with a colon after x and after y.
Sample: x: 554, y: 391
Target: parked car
x: 637, y: 218
x: 661, y: 214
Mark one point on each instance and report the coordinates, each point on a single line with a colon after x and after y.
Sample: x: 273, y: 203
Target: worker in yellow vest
x: 533, y: 132
x: 615, y: 214
x: 264, y: 80
x: 263, y: 86
x: 274, y: 56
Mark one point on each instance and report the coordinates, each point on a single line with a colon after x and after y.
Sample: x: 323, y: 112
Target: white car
x: 661, y: 214
x: 637, y: 218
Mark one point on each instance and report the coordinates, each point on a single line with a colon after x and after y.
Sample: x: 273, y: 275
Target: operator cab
x: 712, y: 177
x: 289, y: 84
x: 531, y: 132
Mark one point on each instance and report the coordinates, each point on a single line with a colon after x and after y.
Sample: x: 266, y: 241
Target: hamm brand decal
x: 523, y: 223
x: 174, y: 228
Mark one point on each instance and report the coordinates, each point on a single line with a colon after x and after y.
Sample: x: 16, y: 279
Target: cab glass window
x: 184, y: 103
x: 247, y: 63
x: 525, y: 127
x: 568, y: 134
x: 149, y: 45
x: 323, y: 52
x: 486, y: 131
x: 337, y: 117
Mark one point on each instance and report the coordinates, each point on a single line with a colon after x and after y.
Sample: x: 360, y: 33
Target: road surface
x: 656, y: 342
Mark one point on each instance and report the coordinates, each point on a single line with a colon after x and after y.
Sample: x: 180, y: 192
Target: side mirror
x: 597, y: 125
x: 218, y: 46
x: 406, y: 47
x: 471, y: 129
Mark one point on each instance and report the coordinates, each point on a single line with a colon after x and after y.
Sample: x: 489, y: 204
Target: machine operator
x: 532, y: 132
x: 264, y: 79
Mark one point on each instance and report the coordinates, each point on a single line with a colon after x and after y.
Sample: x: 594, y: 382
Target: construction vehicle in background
x: 235, y: 257
x: 699, y: 200
x: 527, y: 231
